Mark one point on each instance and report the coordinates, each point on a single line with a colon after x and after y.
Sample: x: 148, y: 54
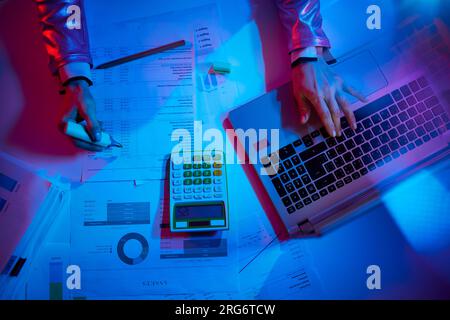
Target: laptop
x: 312, y: 179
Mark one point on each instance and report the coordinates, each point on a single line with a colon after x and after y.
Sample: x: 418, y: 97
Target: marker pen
x: 78, y: 131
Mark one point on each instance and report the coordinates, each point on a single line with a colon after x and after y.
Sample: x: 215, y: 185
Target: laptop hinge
x: 306, y: 227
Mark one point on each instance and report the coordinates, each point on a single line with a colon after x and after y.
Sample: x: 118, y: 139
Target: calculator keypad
x: 201, y: 179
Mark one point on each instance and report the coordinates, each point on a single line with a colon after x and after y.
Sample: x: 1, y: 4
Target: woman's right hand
x: 82, y: 108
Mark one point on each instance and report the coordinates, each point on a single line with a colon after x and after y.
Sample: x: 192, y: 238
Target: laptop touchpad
x: 362, y: 73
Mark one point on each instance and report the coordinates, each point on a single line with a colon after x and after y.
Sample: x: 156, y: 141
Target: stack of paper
x: 28, y: 207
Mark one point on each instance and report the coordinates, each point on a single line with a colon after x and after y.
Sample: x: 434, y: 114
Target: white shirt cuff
x: 74, y: 69
x: 313, y: 52
x: 308, y: 52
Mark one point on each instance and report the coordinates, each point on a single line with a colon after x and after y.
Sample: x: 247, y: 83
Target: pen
x: 78, y: 131
x: 141, y: 54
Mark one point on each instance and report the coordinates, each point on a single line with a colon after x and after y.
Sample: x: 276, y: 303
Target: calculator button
x: 188, y: 189
x: 197, y: 181
x: 197, y: 158
x: 207, y: 189
x: 197, y: 173
x: 176, y: 182
x: 188, y: 196
x: 187, y: 174
x: 197, y: 166
x: 176, y: 174
x: 198, y: 189
x: 207, y: 173
x: 218, y: 189
x: 187, y: 182
x: 206, y: 165
x: 217, y: 222
x: 217, y: 180
x: 207, y: 181
x: 176, y: 197
x: 177, y: 190
x: 176, y: 166
x: 207, y: 196
x: 197, y: 196
x: 181, y: 224
x: 207, y: 158
x: 217, y: 165
x: 218, y: 195
x: 217, y: 157
x: 217, y: 173
x: 187, y: 166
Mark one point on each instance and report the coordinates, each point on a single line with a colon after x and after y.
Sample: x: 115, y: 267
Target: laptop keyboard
x: 388, y: 128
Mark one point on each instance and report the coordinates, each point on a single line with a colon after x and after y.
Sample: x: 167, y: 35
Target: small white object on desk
x: 78, y: 131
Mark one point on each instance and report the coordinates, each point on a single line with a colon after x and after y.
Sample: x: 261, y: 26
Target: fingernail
x: 97, y: 135
x: 333, y: 133
x: 303, y: 119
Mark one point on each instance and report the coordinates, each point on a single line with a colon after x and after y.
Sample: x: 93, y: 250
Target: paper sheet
x: 21, y: 194
x: 120, y: 238
x: 281, y: 271
x: 141, y: 102
x: 29, y: 205
x: 269, y: 269
x: 48, y: 274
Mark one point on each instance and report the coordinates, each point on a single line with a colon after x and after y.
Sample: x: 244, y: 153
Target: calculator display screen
x: 199, y: 211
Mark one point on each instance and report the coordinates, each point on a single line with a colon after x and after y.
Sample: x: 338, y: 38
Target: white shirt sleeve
x: 74, y: 69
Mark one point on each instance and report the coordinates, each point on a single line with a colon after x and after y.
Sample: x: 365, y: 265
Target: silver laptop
x: 404, y: 126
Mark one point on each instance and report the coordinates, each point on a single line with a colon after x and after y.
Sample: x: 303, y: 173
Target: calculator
x: 198, y: 194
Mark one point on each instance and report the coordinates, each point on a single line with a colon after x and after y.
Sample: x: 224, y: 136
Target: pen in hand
x: 78, y: 131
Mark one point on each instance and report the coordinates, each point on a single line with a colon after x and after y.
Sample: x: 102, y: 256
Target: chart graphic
x: 121, y: 248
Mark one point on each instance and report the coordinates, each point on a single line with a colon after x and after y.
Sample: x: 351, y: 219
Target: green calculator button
x: 197, y: 165
x: 187, y: 182
x: 198, y: 181
x: 187, y: 166
x: 207, y: 181
x: 206, y: 165
x: 197, y: 173
x: 187, y: 174
x: 206, y: 173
